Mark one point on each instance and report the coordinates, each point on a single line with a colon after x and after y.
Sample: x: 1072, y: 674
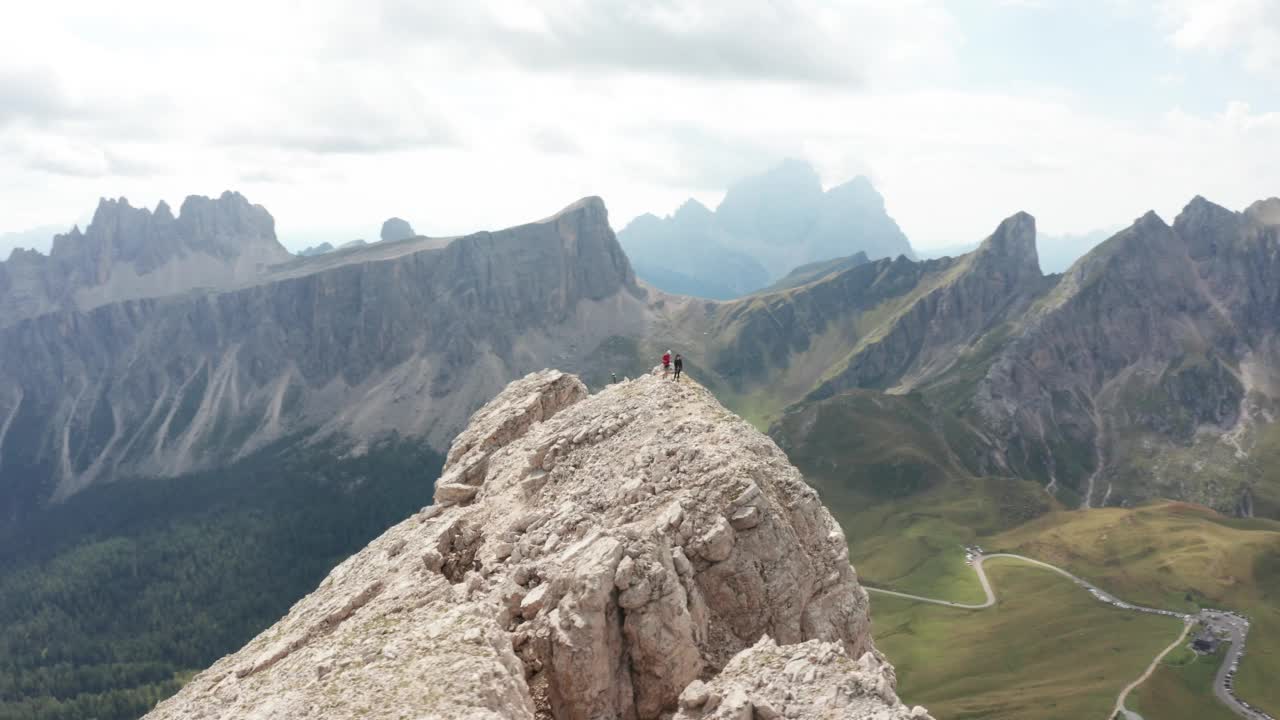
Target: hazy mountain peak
x: 212, y: 242
x: 859, y: 186
x: 1011, y: 249
x: 691, y: 209
x: 1151, y: 220
x: 19, y: 254
x: 1015, y: 235
x: 163, y: 210
x: 777, y: 197
x: 320, y: 249
x: 592, y: 204
x: 791, y: 171
x: 1200, y: 210
x: 1266, y: 211
x: 766, y: 226
x: 396, y: 229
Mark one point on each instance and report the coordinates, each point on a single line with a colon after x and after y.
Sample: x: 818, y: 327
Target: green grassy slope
x: 1175, y: 555
x: 900, y: 479
x: 1181, y: 689
x: 1047, y: 650
x: 904, y: 482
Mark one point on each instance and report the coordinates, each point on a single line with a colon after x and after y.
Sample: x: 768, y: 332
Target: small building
x: 1206, y: 642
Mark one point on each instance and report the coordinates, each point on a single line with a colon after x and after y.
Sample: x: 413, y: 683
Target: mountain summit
x: 128, y: 253
x: 766, y: 226
x: 630, y: 554
x: 396, y: 229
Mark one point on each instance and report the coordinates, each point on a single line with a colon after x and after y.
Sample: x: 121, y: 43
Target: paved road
x: 1236, y: 627
x: 991, y: 595
x: 1238, y: 631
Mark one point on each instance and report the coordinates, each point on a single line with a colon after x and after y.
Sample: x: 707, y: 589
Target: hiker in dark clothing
x: 679, y: 365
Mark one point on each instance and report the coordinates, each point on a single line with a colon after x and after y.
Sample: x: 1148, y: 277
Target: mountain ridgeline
x: 765, y: 226
x: 175, y: 384
x: 335, y: 346
x: 1148, y: 369
x: 129, y: 253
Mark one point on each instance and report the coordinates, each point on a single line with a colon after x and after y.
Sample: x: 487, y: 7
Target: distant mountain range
x: 132, y: 253
x: 1150, y: 368
x: 393, y: 229
x: 766, y: 226
x: 1056, y: 252
x: 37, y: 238
x: 287, y: 400
x: 113, y: 363
x: 100, y: 378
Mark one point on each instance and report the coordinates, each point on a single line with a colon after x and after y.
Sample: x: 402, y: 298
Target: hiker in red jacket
x: 666, y: 363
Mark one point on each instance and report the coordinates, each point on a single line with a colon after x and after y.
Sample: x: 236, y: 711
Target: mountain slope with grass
x: 1150, y: 369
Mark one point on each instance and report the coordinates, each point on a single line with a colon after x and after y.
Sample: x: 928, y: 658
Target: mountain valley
x: 932, y: 404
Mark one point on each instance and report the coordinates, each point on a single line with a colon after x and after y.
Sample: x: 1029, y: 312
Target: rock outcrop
x: 631, y: 554
x: 128, y: 253
x: 396, y: 229
x: 812, y: 679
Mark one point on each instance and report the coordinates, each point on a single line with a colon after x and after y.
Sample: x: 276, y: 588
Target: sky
x: 337, y: 114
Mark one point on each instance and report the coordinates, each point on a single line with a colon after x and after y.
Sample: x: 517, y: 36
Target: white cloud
x: 481, y: 115
x: 1249, y: 29
x: 31, y: 96
x: 812, y: 41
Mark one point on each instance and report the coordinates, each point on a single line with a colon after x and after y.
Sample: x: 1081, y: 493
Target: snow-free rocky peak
x: 638, y: 553
x: 128, y: 253
x: 396, y: 229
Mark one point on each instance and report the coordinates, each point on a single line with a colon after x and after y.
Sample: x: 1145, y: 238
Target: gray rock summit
x: 128, y: 253
x: 631, y: 554
x: 396, y: 229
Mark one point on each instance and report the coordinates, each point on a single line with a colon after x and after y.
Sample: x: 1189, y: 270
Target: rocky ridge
x: 638, y: 553
x: 128, y: 253
x: 1151, y: 368
x: 1154, y: 359
x: 407, y: 337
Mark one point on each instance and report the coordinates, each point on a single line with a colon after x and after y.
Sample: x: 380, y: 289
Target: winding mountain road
x: 1119, y: 708
x: 1237, y: 629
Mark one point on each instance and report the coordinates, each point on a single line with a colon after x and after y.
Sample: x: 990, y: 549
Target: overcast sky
x: 458, y: 116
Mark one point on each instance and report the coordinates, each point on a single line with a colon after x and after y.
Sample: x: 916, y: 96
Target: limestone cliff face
x: 1153, y: 356
x: 888, y: 324
x: 410, y: 338
x: 129, y: 253
x: 1150, y: 368
x: 630, y: 554
x: 925, y: 339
